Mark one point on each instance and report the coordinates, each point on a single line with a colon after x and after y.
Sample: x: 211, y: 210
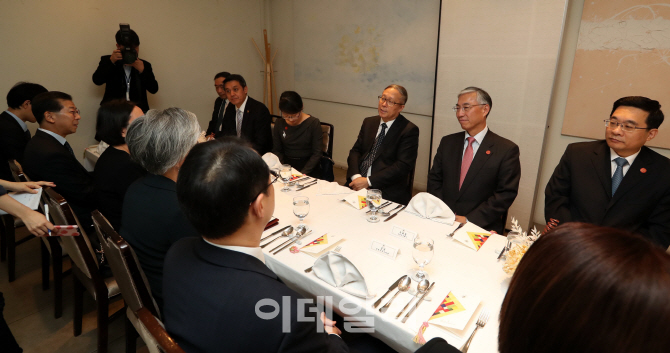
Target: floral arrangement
x: 518, y: 244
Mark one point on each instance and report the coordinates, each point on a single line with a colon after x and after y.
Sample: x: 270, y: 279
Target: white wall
x: 59, y: 43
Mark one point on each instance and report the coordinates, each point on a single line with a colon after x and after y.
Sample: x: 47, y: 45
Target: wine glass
x: 301, y: 209
x: 422, y: 254
x: 374, y: 200
x: 285, y: 173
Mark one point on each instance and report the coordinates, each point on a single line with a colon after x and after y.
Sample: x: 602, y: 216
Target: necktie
x: 367, y: 162
x: 239, y: 123
x: 467, y: 160
x: 618, y: 173
x: 222, y: 111
x: 67, y: 145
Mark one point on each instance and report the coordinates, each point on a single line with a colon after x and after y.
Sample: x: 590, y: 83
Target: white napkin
x: 357, y: 199
x: 273, y: 163
x: 430, y: 207
x: 332, y: 188
x: 102, y: 146
x: 336, y: 270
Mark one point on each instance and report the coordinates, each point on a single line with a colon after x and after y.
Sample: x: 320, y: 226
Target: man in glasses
x: 384, y: 154
x: 617, y: 182
x: 476, y: 172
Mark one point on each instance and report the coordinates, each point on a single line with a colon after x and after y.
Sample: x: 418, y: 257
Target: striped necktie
x: 618, y: 173
x: 367, y: 162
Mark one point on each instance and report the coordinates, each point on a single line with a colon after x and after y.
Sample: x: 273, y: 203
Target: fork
x: 481, y: 321
x: 337, y: 249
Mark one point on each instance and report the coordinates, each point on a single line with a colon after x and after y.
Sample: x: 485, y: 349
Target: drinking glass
x: 285, y: 173
x: 374, y: 200
x: 422, y: 254
x: 301, y: 209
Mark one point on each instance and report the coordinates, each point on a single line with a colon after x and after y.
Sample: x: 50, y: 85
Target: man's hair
x: 583, y: 278
x: 655, y: 118
x: 132, y: 36
x: 290, y: 102
x: 48, y: 102
x: 21, y: 92
x: 401, y: 89
x: 113, y: 117
x: 162, y: 138
x: 483, y: 97
x: 216, y: 185
x: 236, y: 77
x: 223, y: 74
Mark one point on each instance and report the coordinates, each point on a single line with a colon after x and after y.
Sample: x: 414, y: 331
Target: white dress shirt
x: 475, y: 144
x: 18, y: 120
x: 58, y: 137
x: 630, y: 159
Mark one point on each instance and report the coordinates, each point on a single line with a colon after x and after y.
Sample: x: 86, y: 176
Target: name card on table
x: 402, y: 233
x: 384, y: 249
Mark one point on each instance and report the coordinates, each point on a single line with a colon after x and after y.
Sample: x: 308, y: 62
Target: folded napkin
x: 273, y: 163
x: 357, y: 199
x: 430, y: 207
x: 332, y: 188
x: 102, y: 146
x: 336, y: 270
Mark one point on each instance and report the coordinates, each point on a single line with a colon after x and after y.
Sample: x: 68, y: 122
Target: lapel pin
x: 488, y: 152
x: 643, y: 170
x: 247, y: 112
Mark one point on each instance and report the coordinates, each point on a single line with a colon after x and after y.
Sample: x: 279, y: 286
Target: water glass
x: 374, y: 200
x: 285, y: 173
x: 301, y: 209
x: 422, y: 254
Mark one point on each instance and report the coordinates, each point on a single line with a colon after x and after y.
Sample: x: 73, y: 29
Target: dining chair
x: 132, y: 282
x: 85, y: 269
x: 328, y: 133
x: 157, y: 339
x: 274, y: 120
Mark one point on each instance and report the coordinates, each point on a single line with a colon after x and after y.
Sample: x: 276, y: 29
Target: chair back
x: 154, y: 335
x: 274, y: 120
x: 328, y: 133
x: 78, y: 247
x: 17, y: 171
x: 125, y: 267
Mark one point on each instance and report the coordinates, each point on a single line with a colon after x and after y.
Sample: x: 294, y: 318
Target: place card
x: 384, y: 249
x: 402, y: 233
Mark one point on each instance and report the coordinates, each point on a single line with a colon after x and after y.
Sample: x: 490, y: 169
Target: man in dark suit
x: 384, y: 154
x: 617, y: 182
x: 48, y: 155
x: 476, y: 172
x: 126, y: 81
x: 220, y: 104
x: 246, y: 117
x: 14, y: 134
x: 219, y: 294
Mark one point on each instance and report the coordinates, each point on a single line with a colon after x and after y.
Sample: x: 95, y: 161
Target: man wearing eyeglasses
x: 617, y: 182
x: 476, y: 172
x: 384, y: 154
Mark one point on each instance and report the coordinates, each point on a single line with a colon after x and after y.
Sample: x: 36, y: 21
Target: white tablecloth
x: 454, y: 268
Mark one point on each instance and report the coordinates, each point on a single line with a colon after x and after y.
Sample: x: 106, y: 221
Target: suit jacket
x: 151, y: 221
x: 213, y: 126
x: 395, y: 160
x: 13, y: 141
x: 210, y: 304
x: 46, y: 159
x: 580, y: 191
x: 256, y: 125
x: 489, y: 187
x: 114, y: 77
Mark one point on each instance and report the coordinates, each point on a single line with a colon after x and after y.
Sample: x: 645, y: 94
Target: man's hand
x: 138, y: 65
x: 359, y: 183
x: 329, y: 325
x: 28, y: 186
x: 461, y: 219
x: 116, y: 56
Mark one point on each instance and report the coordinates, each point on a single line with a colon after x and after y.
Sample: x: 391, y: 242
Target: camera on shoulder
x: 128, y: 52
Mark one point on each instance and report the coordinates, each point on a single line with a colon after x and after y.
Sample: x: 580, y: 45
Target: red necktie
x: 467, y: 160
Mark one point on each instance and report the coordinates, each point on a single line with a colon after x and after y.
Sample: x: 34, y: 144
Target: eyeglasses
x: 218, y: 86
x: 275, y: 174
x: 291, y: 116
x: 73, y: 113
x: 465, y: 108
x: 388, y: 102
x: 627, y: 127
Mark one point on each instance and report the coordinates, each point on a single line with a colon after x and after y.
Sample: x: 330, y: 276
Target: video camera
x: 128, y: 53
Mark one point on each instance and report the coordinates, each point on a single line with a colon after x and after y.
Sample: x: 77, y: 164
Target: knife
x: 451, y: 235
x: 291, y: 241
x: 306, y: 186
x: 279, y: 231
x: 382, y: 206
x: 417, y: 303
x: 395, y: 214
x: 392, y: 287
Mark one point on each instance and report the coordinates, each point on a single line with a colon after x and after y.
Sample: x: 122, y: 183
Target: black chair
x: 327, y: 161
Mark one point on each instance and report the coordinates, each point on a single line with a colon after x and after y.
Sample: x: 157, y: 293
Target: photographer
x: 126, y: 75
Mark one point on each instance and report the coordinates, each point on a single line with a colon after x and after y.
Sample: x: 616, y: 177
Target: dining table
x: 454, y: 268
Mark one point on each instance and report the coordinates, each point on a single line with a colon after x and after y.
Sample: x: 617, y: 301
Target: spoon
x: 420, y: 288
x: 285, y: 233
x: 385, y: 214
x: 403, y: 286
x: 298, y: 234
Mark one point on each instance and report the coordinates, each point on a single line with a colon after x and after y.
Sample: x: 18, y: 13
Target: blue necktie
x: 618, y: 173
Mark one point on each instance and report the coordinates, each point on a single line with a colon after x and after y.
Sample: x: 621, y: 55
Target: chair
x: 86, y: 274
x: 328, y: 133
x: 274, y: 120
x: 130, y: 278
x: 157, y: 339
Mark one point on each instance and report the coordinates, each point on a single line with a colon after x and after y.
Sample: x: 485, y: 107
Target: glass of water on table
x: 374, y: 200
x: 301, y: 209
x: 422, y: 254
x: 286, y: 172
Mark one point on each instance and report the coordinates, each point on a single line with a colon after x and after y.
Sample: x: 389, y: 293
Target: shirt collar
x: 255, y: 252
x: 388, y: 123
x: 58, y: 137
x: 18, y: 120
x: 244, y: 104
x: 480, y: 136
x: 630, y: 159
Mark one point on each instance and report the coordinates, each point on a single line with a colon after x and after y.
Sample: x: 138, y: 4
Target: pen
x: 46, y: 214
